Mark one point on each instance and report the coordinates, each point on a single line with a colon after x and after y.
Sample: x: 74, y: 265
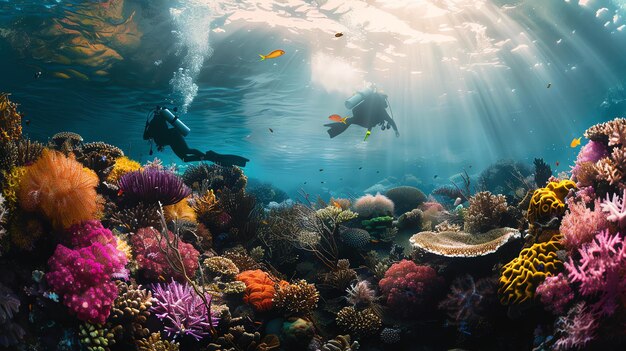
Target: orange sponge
x: 260, y: 289
x: 60, y: 188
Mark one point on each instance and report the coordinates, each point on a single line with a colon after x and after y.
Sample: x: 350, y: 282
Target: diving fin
x: 226, y: 160
x: 336, y: 128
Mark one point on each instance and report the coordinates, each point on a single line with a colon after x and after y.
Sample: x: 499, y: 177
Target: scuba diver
x: 157, y: 129
x: 369, y: 109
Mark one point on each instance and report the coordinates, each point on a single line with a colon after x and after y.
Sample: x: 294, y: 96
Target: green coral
x: 95, y: 337
x: 335, y: 214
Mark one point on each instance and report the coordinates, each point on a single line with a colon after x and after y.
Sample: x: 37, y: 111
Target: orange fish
x: 337, y: 118
x: 272, y: 55
x: 336, y: 204
x: 374, y: 241
x: 120, y: 193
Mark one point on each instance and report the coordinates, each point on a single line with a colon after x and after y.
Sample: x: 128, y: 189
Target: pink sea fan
x: 616, y: 209
x: 576, y: 329
x: 600, y: 270
x: 555, y: 293
x: 580, y: 224
x: 373, y: 205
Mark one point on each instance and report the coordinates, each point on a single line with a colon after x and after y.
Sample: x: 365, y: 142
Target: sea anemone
x: 152, y: 186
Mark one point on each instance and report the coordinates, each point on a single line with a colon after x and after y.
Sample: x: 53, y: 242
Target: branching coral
x: 485, y: 212
x: 151, y: 186
x: 204, y: 176
x: 555, y: 293
x: 18, y: 153
x: 460, y: 244
x: 182, y: 311
x: 10, y: 120
x: 155, y: 343
x: 361, y: 294
x: 341, y: 276
x: 576, y: 329
x: 373, y: 206
x: 60, y: 188
x: 98, y: 156
x: 405, y: 198
x: 409, y: 288
x: 521, y: 276
x: 580, y: 224
x: 151, y: 250
x: 297, y: 298
x: 221, y: 266
x: 468, y: 302
x: 600, y: 270
x: 360, y: 323
x: 616, y: 209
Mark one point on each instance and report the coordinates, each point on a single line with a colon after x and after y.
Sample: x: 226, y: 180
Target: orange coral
x: 181, y: 211
x: 260, y: 289
x: 10, y: 120
x: 60, y: 188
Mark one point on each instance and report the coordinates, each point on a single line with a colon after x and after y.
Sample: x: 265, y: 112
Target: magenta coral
x: 577, y: 329
x: 616, y: 209
x: 409, y: 288
x: 580, y: 224
x: 83, y: 276
x: 151, y: 256
x: 555, y: 293
x: 182, y: 311
x: 600, y: 270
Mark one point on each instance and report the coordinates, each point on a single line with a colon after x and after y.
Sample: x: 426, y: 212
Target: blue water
x: 467, y: 80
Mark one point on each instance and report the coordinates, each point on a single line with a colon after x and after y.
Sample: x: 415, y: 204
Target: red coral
x: 410, y: 288
x: 151, y: 257
x: 260, y: 289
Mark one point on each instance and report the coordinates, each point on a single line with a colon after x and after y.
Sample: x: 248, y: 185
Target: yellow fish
x: 575, y: 142
x: 273, y: 54
x: 367, y: 134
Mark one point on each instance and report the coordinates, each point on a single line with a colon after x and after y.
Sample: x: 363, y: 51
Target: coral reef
x: 580, y: 224
x: 221, y: 266
x: 134, y: 218
x: 405, y: 198
x: 616, y: 209
x: 577, y: 328
x: 215, y: 177
x: 369, y: 206
x: 485, y: 212
x: 155, y: 343
x: 151, y: 253
x: 60, y: 188
x: 260, y: 289
x: 409, y: 288
x: 95, y: 337
x: 411, y: 220
x: 361, y: 294
x: 10, y: 332
x: 555, y: 293
x: 505, y: 177
x: 354, y: 237
x: 390, y: 336
x: 122, y: 166
x: 468, y: 303
x: 297, y: 298
x: 460, y: 244
x: 10, y: 120
x: 151, y: 186
x: 180, y: 211
x: 131, y: 310
x: 182, y: 311
x: 543, y: 172
x: 521, y: 276
x: 549, y: 202
x: 360, y: 323
x: 65, y: 141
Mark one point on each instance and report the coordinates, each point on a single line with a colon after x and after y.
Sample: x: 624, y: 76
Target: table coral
x: 521, y: 276
x: 461, y: 244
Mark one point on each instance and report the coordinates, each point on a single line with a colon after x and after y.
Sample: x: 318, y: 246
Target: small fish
x: 27, y: 122
x: 120, y: 193
x: 361, y: 167
x: 304, y: 183
x: 377, y: 171
x: 321, y: 169
x: 557, y: 163
x: 337, y: 118
x: 458, y: 201
x: 37, y: 74
x: 374, y: 241
x: 435, y: 176
x: 271, y: 130
x: 338, y: 35
x: 575, y: 142
x: 549, y: 85
x: 322, y: 182
x: 336, y: 204
x: 272, y: 55
x: 367, y: 135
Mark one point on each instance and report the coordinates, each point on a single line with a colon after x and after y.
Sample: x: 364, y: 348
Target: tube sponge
x: 60, y: 188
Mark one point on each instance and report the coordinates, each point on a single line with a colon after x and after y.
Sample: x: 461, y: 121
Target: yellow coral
x: 13, y: 178
x: 204, y: 204
x: 521, y: 276
x: 122, y: 166
x: 180, y: 211
x: 10, y: 120
x: 123, y: 246
x: 549, y: 201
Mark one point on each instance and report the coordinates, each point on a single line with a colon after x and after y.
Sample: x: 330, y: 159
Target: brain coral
x: 373, y: 206
x: 405, y: 198
x: 520, y: 277
x: 460, y: 244
x: 409, y: 288
x: 355, y: 238
x: 549, y: 201
x: 60, y: 188
x: 260, y: 289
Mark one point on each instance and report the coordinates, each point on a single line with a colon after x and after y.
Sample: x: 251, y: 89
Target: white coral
x: 616, y: 208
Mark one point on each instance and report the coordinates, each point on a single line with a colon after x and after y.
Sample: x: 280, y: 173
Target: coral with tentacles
x: 151, y: 186
x: 297, y: 298
x: 485, y: 212
x: 360, y: 323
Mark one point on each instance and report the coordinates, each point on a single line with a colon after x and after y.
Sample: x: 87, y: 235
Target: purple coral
x: 600, y: 270
x: 555, y: 293
x: 468, y: 302
x: 152, y: 185
x: 182, y: 311
x: 577, y: 329
x: 580, y: 224
x: 616, y: 209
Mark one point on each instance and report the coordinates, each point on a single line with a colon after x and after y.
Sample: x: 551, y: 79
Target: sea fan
x: 153, y: 185
x: 182, y: 311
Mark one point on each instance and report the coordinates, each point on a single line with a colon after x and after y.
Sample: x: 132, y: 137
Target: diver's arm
x: 392, y: 123
x: 146, y: 132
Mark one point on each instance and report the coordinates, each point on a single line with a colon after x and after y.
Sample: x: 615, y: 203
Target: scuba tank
x: 174, y: 121
x: 359, y: 96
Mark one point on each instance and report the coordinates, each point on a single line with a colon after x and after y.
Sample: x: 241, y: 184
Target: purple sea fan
x: 600, y: 270
x: 616, y: 209
x: 182, y: 311
x: 153, y: 185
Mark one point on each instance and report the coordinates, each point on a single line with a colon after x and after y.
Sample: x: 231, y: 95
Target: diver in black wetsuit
x: 158, y: 130
x: 372, y: 111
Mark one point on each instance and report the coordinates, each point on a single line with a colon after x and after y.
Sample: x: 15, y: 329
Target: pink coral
x: 151, y: 256
x: 616, y: 209
x: 580, y: 224
x: 555, y: 293
x: 409, y: 288
x: 600, y: 270
x: 373, y: 205
x: 83, y: 274
x: 576, y: 329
